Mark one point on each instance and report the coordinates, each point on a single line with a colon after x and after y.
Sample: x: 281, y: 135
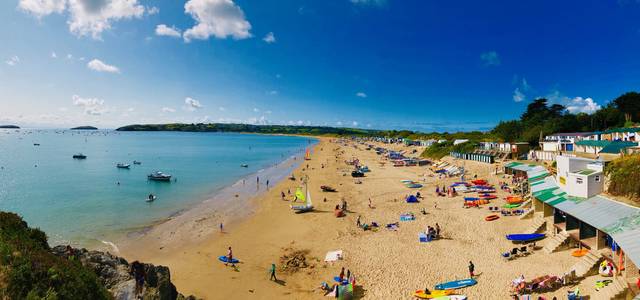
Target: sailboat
x: 307, y: 198
x: 307, y: 154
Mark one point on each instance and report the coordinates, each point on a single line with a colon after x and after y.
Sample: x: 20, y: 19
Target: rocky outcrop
x: 114, y: 272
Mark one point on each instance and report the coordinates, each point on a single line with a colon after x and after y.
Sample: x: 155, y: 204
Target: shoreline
x: 229, y: 204
x: 273, y: 233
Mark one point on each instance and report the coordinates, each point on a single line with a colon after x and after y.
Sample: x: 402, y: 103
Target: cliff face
x: 114, y: 274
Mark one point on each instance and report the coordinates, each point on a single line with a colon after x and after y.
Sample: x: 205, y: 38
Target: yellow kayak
x: 434, y: 294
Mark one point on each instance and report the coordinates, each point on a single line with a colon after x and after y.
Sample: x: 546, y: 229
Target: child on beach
x: 471, y: 269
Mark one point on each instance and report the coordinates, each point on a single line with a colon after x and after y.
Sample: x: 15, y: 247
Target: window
x: 579, y: 180
x: 597, y: 178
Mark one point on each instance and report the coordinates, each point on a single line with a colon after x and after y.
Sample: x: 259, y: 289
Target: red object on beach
x: 491, y: 217
x: 479, y: 182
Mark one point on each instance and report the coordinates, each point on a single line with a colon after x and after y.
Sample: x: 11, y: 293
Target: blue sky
x: 411, y: 64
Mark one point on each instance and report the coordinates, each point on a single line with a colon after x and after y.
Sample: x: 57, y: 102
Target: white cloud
x: 269, y: 38
x: 92, y: 17
x: 490, y: 58
x: 130, y: 109
x: 86, y: 17
x: 354, y: 123
x: 54, y: 55
x: 519, y: 92
x: 361, y: 95
x: 368, y: 2
x: 272, y: 92
x: 153, y: 10
x: 300, y: 122
x: 69, y: 56
x: 268, y: 112
x: 218, y: 18
x: 99, y: 66
x: 91, y: 106
x: 63, y: 109
x: 191, y: 104
x: 12, y: 61
x: 575, y: 104
x: 584, y: 105
x: 168, y: 110
x: 41, y: 8
x: 339, y: 123
x: 256, y: 110
x: 164, y: 30
x: 221, y: 108
x: 518, y: 96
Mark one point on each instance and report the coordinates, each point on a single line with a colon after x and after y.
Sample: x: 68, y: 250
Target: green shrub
x: 31, y: 271
x: 624, y: 176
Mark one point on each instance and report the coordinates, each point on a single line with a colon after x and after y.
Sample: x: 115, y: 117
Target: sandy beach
x: 386, y: 264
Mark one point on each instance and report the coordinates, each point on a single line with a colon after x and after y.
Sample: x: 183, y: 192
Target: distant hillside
x: 9, y: 126
x: 246, y: 128
x: 84, y: 128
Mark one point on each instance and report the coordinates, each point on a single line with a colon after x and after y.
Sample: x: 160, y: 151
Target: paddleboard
x: 456, y: 284
x: 225, y: 259
x: 452, y: 297
x: 525, y: 237
x: 434, y: 294
x: 343, y: 282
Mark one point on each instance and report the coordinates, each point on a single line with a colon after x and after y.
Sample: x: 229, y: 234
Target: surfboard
x: 525, y: 237
x: 452, y: 297
x: 434, y: 294
x: 456, y: 284
x: 225, y: 259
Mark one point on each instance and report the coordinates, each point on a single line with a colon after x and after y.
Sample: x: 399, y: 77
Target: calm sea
x: 80, y: 201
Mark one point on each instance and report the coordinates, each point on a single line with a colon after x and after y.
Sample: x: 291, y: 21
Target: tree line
x: 542, y: 118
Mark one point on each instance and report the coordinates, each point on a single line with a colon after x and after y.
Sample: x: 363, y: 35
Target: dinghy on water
x: 123, y: 166
x: 159, y: 176
x: 79, y: 156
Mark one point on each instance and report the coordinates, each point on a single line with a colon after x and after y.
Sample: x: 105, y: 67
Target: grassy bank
x: 440, y: 150
x: 28, y: 270
x: 624, y: 176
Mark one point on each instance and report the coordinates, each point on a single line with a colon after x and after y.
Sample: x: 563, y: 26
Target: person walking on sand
x: 273, y: 273
x: 267, y: 184
x: 437, y: 230
x: 358, y: 222
x: 221, y: 227
x: 341, y: 275
x: 471, y: 269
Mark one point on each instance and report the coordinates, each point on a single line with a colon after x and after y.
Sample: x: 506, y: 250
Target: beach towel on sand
x: 333, y: 256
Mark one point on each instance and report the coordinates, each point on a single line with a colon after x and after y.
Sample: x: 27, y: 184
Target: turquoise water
x: 79, y: 201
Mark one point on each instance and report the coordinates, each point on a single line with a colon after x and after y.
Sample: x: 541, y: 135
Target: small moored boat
x: 244, y: 165
x: 123, y: 166
x: 135, y: 162
x: 79, y: 156
x: 159, y: 176
x: 151, y: 198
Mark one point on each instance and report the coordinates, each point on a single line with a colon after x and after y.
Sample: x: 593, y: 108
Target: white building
x: 565, y: 142
x: 580, y: 177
